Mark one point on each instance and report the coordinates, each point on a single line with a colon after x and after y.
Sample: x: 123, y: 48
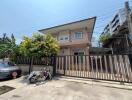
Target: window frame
x: 77, y: 35
x: 61, y: 39
x: 66, y: 38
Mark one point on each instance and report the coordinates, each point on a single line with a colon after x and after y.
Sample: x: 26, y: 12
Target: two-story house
x: 74, y: 38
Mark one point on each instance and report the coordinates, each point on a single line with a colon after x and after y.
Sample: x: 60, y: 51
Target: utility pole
x: 129, y: 24
x: 128, y: 17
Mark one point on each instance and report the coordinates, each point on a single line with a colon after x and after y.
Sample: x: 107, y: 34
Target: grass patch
x: 4, y: 89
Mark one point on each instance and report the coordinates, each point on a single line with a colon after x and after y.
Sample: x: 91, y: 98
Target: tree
x: 7, y: 45
x: 104, y: 37
x: 39, y: 45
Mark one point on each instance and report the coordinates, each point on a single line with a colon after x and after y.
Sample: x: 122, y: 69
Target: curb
x: 111, y: 84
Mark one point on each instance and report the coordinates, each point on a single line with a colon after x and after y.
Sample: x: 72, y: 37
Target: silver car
x: 9, y: 70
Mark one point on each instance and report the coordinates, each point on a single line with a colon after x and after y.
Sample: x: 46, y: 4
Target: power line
x: 129, y: 0
x: 112, y: 12
x: 103, y: 25
x: 104, y: 17
x: 99, y: 26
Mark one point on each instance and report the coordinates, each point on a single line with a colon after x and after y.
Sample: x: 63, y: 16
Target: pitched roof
x: 81, y: 23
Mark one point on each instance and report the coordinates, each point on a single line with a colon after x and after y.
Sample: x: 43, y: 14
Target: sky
x: 24, y: 17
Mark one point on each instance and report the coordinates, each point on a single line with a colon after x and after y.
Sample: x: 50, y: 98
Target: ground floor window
x: 78, y: 58
x: 78, y: 53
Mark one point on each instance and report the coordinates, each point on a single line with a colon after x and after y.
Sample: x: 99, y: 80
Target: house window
x: 78, y: 58
x: 66, y: 38
x: 63, y: 52
x: 78, y: 53
x: 78, y: 35
x: 61, y: 38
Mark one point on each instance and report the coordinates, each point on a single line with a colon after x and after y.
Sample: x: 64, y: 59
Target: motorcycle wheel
x: 32, y: 80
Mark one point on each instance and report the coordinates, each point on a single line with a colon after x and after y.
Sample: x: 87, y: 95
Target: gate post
x: 31, y: 64
x: 64, y: 65
x: 54, y: 65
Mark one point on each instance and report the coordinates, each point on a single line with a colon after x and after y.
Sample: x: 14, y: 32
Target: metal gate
x: 104, y: 67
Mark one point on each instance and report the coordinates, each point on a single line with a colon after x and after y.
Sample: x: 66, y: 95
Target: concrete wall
x: 25, y: 68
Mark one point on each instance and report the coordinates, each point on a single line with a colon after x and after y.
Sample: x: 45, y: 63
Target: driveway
x: 62, y: 90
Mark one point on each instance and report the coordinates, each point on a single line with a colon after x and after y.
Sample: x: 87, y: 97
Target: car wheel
x: 14, y: 74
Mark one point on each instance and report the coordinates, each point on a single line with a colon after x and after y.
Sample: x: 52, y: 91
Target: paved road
x: 62, y: 90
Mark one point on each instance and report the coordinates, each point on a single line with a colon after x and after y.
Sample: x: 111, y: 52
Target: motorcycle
x: 38, y: 76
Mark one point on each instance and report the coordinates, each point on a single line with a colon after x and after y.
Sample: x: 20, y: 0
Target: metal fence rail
x: 34, y: 61
x: 105, y: 67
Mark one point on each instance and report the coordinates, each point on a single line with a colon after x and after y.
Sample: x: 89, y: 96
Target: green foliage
x: 7, y: 45
x: 39, y: 45
x: 103, y: 38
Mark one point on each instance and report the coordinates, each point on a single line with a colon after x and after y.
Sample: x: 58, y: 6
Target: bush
x: 39, y: 44
x: 104, y: 37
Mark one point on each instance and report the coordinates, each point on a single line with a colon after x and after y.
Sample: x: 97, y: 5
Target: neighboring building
x: 118, y: 20
x: 118, y: 28
x: 120, y: 41
x: 74, y: 38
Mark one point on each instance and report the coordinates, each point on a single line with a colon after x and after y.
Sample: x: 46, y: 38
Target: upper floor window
x: 66, y: 38
x: 61, y: 38
x: 78, y: 35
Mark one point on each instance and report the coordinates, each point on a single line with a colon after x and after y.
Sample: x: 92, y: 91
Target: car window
x: 11, y: 64
x: 1, y: 65
x: 4, y: 65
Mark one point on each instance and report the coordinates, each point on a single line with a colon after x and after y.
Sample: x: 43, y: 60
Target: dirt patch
x: 4, y: 89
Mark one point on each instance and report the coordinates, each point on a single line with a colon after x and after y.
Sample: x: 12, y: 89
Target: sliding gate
x: 105, y: 67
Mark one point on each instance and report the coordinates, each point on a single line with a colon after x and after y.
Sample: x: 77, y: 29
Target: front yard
x: 62, y: 90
